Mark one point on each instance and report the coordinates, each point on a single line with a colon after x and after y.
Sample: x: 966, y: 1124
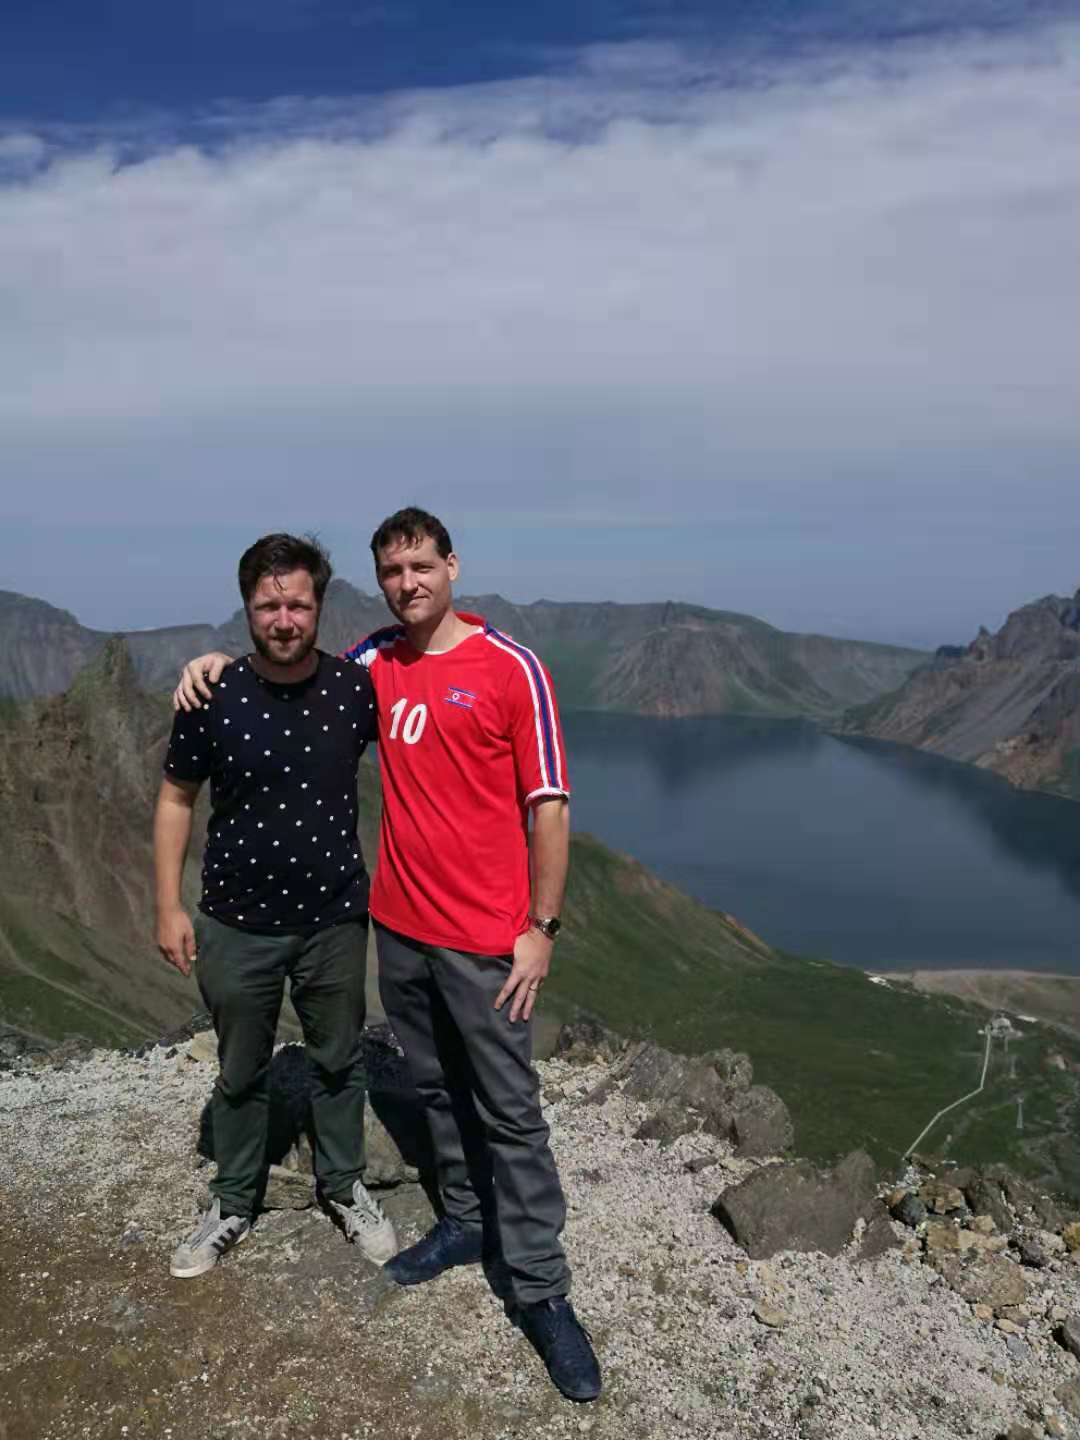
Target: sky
x: 771, y: 307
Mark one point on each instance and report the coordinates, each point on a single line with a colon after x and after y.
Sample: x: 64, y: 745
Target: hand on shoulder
x: 196, y: 678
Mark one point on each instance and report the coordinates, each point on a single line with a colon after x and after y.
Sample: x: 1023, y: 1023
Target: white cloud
x: 655, y: 270
x: 21, y: 151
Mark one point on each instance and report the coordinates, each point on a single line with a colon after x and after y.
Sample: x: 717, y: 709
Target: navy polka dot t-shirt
x: 282, y: 850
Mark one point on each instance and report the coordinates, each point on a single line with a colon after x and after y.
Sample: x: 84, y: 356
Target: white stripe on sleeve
x: 544, y: 778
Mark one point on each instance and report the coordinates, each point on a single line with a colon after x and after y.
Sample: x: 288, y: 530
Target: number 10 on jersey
x: 414, y: 724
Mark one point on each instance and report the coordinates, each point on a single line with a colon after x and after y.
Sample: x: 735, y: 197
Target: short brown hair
x: 277, y: 555
x: 412, y: 525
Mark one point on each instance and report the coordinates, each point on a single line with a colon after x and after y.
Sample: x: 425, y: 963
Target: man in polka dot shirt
x: 285, y: 892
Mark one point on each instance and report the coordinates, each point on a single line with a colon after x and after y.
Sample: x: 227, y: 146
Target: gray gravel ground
x: 295, y: 1335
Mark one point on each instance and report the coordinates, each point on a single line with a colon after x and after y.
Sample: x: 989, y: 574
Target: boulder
x: 1069, y: 1395
x: 989, y: 1244
x: 665, y: 1124
x: 599, y: 1093
x: 201, y: 1021
x: 985, y: 1280
x: 879, y: 1237
x: 653, y: 1073
x: 960, y: 1176
x: 697, y: 1163
x: 1047, y: 1213
x: 715, y: 1094
x: 1031, y: 1253
x: 941, y: 1197
x: 766, y: 1313
x: 985, y: 1197
x: 795, y: 1206
x: 1071, y: 1235
x: 15, y: 1047
x: 203, y: 1048
x: 756, y: 1121
x: 909, y: 1210
x: 1019, y: 1193
x: 732, y: 1067
x: 943, y: 1237
x: 585, y: 1041
x: 1067, y: 1335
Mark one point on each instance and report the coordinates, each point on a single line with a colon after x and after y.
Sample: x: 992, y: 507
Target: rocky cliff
x: 655, y: 659
x: 1009, y: 702
x: 730, y: 1295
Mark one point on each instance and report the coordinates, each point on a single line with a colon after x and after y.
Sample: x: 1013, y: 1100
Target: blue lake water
x: 869, y: 854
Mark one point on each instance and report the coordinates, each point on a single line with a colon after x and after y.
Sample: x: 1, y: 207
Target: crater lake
x: 865, y: 853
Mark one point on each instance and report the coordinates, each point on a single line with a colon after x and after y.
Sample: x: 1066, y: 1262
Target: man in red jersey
x: 472, y: 868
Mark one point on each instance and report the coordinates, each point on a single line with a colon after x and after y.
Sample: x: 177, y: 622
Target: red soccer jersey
x: 468, y: 738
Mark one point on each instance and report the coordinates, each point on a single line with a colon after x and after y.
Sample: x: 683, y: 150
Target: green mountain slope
x: 59, y: 977
x: 78, y: 774
x: 857, y: 1062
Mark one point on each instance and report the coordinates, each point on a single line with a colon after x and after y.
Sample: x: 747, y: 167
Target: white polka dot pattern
x: 277, y: 787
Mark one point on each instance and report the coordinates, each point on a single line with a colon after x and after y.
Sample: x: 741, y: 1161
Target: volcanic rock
x: 795, y: 1206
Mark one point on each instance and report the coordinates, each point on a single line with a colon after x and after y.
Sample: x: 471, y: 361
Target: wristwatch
x: 548, y: 925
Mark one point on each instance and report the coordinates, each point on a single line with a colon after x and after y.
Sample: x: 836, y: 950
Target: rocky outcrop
x: 1009, y: 702
x: 988, y: 1234
x: 797, y: 1206
x: 712, y: 1093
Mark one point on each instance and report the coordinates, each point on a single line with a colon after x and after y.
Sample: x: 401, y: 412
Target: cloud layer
x: 839, y: 302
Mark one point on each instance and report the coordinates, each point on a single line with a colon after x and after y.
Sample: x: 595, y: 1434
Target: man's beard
x: 306, y: 645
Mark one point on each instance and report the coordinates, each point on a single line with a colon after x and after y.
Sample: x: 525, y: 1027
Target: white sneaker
x: 366, y: 1225
x: 206, y: 1244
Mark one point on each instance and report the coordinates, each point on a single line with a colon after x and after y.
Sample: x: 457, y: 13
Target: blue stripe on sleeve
x: 546, y: 717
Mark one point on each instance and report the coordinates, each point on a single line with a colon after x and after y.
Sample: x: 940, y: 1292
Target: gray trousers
x: 242, y: 978
x: 473, y: 1071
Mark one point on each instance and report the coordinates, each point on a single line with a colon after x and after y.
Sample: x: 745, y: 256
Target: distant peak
x: 12, y: 603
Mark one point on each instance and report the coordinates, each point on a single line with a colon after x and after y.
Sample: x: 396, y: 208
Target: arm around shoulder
x: 196, y: 678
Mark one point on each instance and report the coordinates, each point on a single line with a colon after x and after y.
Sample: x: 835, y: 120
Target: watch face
x: 548, y: 926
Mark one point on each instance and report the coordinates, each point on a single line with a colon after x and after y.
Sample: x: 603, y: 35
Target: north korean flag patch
x: 456, y: 696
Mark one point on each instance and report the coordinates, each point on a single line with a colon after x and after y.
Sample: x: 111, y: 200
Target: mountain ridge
x: 665, y: 658
x: 1008, y: 702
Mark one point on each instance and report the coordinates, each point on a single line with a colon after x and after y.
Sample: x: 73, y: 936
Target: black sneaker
x: 563, y: 1343
x: 446, y: 1244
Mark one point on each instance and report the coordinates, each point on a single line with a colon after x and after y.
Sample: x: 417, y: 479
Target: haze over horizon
x: 773, y: 311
